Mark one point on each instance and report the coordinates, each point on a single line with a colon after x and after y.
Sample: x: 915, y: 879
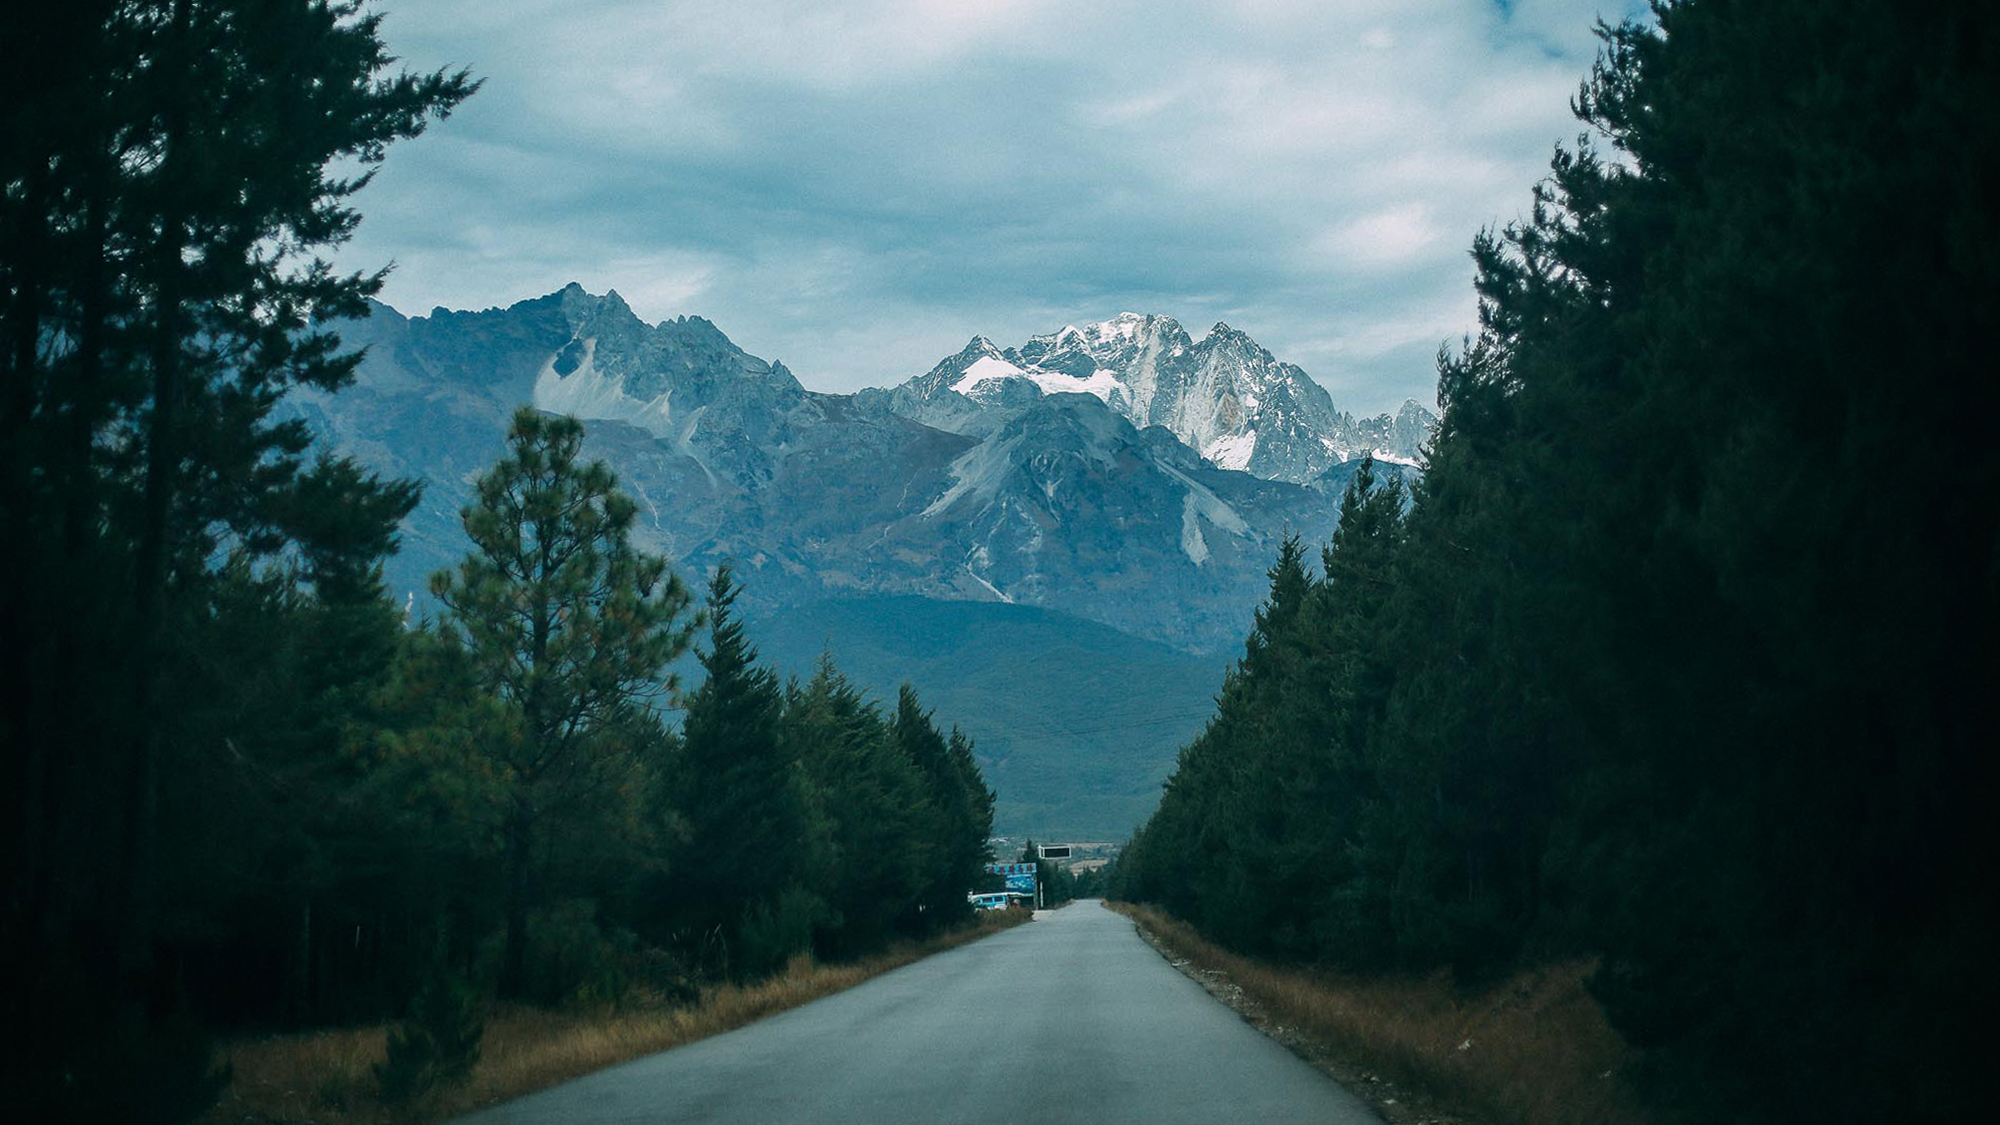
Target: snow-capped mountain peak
x: 1225, y: 396
x: 1070, y: 501
x: 984, y: 368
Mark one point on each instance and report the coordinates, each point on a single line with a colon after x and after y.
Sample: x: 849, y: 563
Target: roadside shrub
x: 772, y: 932
x: 437, y: 1045
x: 574, y: 960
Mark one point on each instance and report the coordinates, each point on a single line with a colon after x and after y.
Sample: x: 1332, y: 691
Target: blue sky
x: 857, y: 187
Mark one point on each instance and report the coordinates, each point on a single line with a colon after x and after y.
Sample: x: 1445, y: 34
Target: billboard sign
x: 1019, y: 876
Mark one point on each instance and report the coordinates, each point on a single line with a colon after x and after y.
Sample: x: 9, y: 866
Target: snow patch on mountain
x: 1100, y: 383
x: 984, y: 368
x: 1231, y: 451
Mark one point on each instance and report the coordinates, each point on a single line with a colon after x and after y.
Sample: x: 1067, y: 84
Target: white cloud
x: 1385, y: 238
x: 859, y: 187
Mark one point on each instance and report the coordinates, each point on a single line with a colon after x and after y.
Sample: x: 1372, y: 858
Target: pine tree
x: 437, y: 1045
x: 1681, y: 692
x: 872, y: 850
x: 737, y: 792
x: 960, y: 809
x: 568, y: 625
x: 970, y: 848
x: 166, y: 191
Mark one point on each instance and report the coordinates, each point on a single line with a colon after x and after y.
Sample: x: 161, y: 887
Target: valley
x: 1051, y: 558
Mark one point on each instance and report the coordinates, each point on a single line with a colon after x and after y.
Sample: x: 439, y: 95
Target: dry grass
x: 327, y: 1078
x: 1534, y: 1048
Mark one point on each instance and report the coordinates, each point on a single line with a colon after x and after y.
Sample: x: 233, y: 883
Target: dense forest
x: 1682, y: 654
x: 244, y: 789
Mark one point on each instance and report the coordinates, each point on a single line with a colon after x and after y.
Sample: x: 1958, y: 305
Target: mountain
x: 1062, y: 503
x: 1075, y: 724
x: 1224, y: 396
x: 1085, y: 568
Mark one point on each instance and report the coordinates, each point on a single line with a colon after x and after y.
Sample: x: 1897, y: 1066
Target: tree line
x: 242, y: 789
x: 1059, y: 883
x: 1681, y: 654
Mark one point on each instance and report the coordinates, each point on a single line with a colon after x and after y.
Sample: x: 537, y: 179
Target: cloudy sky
x: 856, y: 187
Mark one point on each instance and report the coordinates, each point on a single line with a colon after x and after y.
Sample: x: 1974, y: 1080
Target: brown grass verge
x: 327, y: 1077
x: 1533, y: 1049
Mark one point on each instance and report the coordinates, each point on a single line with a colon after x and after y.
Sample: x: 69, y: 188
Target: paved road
x: 1068, y: 1019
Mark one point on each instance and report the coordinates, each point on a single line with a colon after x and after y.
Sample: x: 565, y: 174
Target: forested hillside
x: 1075, y: 722
x: 244, y: 789
x: 1671, y: 660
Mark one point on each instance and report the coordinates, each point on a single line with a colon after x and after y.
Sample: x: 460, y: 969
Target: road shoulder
x: 1396, y: 1103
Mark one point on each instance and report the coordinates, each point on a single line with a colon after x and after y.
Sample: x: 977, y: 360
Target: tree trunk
x: 21, y: 733
x: 514, y: 959
x: 17, y: 405
x: 141, y: 782
x: 303, y: 974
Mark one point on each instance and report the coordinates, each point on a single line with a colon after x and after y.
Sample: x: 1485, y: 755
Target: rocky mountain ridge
x: 1058, y: 501
x: 1065, y: 583
x: 1224, y: 396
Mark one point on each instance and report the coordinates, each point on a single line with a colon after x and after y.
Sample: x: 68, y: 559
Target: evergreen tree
x: 1339, y: 806
x: 568, y: 625
x: 1658, y: 671
x: 438, y: 1043
x: 166, y: 189
x: 873, y: 849
x: 959, y: 808
x: 737, y: 792
x: 970, y: 847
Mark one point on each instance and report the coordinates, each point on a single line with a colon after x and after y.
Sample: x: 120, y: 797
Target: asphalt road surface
x: 1070, y: 1018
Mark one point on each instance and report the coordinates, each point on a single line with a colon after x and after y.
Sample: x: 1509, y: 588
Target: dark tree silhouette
x: 568, y: 625
x: 166, y: 188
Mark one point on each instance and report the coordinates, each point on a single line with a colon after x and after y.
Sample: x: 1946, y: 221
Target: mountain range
x: 1224, y: 396
x: 1118, y: 478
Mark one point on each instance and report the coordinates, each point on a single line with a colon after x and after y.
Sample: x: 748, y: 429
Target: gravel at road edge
x: 1397, y: 1104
